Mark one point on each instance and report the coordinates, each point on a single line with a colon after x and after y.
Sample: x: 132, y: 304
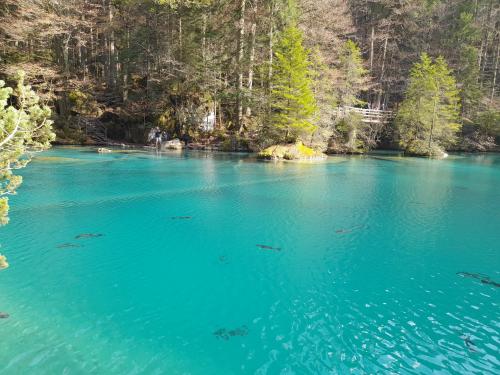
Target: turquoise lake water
x: 356, y: 272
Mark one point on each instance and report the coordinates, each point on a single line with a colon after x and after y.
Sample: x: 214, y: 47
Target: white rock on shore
x: 174, y: 144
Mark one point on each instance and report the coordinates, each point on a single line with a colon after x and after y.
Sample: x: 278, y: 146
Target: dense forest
x: 266, y: 71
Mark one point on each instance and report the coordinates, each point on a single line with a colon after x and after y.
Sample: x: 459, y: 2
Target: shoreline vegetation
x: 240, y: 75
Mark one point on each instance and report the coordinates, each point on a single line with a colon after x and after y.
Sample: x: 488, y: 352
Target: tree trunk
x: 433, y: 123
x: 271, y: 51
x: 112, y: 52
x: 204, y: 41
x: 66, y: 53
x: 239, y: 63
x: 126, y: 67
x: 495, y: 68
x: 382, y: 72
x: 252, y: 54
x: 372, y: 39
x: 180, y: 38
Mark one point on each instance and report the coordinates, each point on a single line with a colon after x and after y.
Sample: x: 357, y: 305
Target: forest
x: 265, y: 71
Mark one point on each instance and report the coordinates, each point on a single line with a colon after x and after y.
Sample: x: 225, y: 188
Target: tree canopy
x: 292, y: 100
x: 428, y: 117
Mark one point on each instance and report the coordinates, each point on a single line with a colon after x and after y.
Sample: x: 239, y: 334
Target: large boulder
x: 174, y: 144
x: 295, y: 151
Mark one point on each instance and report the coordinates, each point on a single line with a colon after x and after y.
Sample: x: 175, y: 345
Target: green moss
x: 304, y: 150
x: 297, y: 151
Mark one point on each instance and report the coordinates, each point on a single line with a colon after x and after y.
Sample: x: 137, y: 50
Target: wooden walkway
x: 372, y: 116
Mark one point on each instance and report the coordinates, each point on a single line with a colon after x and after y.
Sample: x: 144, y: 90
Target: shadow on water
x: 383, y: 159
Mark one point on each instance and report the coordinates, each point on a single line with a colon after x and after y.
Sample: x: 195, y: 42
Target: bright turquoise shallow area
x: 365, y: 282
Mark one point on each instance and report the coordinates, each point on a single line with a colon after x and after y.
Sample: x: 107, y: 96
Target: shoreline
x: 379, y: 151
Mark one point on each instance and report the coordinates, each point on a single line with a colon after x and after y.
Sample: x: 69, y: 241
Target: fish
x: 484, y: 279
x: 89, y: 235
x: 66, y: 245
x: 343, y: 231
x: 221, y: 334
x: 181, y: 217
x: 225, y: 334
x: 490, y: 282
x: 4, y: 315
x: 265, y: 247
x: 478, y: 276
x: 349, y: 230
x: 241, y: 331
x: 469, y: 344
x: 223, y: 259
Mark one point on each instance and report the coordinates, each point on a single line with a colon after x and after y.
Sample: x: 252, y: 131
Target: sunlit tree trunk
x: 495, y: 69
x: 239, y: 64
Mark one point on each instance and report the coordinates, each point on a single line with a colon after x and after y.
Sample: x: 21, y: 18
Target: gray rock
x: 174, y: 144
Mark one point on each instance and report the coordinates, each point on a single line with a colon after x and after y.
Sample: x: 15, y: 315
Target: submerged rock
x: 3, y: 262
x: 295, y: 151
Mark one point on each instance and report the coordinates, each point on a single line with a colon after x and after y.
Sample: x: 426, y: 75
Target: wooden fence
x: 375, y: 116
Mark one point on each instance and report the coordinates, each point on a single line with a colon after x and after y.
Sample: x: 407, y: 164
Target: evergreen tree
x: 352, y: 75
x: 351, y: 134
x: 292, y: 100
x: 23, y: 129
x: 470, y: 91
x: 427, y: 120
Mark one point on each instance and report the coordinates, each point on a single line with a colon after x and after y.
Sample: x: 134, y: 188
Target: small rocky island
x: 295, y: 151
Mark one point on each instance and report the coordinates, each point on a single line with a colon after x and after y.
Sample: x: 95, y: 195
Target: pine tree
x: 351, y: 134
x: 24, y: 129
x: 352, y: 75
x: 292, y: 100
x: 427, y: 120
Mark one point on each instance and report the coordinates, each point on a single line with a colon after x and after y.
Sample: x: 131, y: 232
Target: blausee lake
x: 196, y: 263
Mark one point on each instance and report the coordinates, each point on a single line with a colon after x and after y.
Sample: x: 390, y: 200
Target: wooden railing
x: 369, y: 115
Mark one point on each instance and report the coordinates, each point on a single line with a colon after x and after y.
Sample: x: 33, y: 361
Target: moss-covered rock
x: 103, y: 150
x: 3, y: 262
x: 297, y: 151
x: 421, y: 148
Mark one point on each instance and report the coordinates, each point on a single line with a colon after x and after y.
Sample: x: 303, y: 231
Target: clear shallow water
x: 365, y: 281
